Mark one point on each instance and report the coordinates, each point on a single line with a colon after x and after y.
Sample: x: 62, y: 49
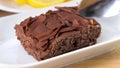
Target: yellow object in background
x: 21, y: 2
x: 39, y: 3
x: 43, y: 3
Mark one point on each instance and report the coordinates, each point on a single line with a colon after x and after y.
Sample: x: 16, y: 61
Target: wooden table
x: 3, y: 13
x: 108, y: 60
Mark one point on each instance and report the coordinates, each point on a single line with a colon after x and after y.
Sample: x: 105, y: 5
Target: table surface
x: 108, y: 60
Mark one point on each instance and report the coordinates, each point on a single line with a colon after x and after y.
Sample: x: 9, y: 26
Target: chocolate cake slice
x: 57, y: 32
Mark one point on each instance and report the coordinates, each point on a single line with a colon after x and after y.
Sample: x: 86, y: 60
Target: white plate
x: 11, y: 6
x: 12, y: 54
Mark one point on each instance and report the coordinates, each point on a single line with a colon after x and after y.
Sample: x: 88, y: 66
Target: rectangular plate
x: 13, y: 55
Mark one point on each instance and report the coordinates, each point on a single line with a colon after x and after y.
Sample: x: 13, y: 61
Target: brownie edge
x: 57, y: 32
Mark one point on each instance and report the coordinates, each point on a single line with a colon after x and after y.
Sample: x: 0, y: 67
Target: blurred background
x: 8, y: 7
